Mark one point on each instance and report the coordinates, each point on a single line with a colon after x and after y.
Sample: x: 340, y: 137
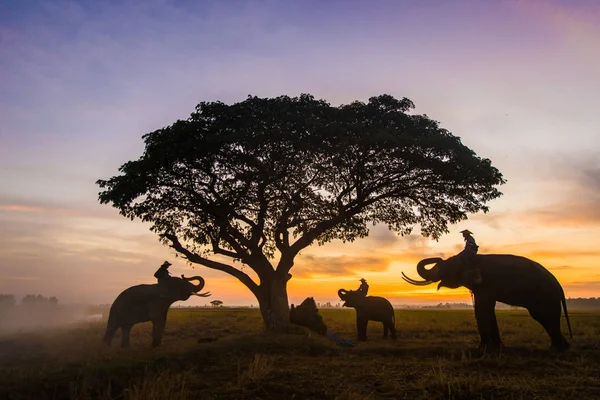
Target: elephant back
x: 377, y: 308
x: 139, y: 292
x: 378, y: 302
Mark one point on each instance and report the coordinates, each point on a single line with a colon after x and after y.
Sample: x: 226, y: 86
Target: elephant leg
x: 361, y: 327
x: 125, y: 329
x: 495, y: 331
x: 486, y: 315
x: 549, y: 318
x: 385, y: 329
x: 393, y: 329
x: 110, y: 333
x: 158, y: 327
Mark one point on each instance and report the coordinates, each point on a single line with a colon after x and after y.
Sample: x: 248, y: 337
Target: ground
x: 222, y: 354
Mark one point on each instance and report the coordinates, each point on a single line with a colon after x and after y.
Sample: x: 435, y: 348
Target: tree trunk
x: 273, y: 303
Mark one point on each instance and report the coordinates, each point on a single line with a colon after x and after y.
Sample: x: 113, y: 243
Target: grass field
x: 435, y: 357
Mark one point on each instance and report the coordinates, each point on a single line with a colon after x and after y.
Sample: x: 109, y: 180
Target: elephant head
x: 351, y: 298
x: 307, y: 314
x: 180, y: 289
x: 449, y: 273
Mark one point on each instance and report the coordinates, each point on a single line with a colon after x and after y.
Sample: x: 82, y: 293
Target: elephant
x: 510, y: 279
x: 144, y: 303
x: 369, y: 308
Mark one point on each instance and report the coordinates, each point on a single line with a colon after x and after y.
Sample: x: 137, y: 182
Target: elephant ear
x: 175, y: 289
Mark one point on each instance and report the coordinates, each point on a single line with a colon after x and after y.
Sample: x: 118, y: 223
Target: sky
x: 82, y: 81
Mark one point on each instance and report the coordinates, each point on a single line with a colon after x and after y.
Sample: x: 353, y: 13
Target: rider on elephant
x: 162, y: 274
x: 468, y: 255
x: 363, y: 288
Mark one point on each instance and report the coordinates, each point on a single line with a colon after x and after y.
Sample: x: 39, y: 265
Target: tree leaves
x: 276, y: 174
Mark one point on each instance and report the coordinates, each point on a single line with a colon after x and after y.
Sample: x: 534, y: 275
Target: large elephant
x: 369, y: 308
x: 506, y: 278
x: 144, y: 303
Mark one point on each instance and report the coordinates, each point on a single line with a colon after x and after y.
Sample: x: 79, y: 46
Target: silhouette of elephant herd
x: 505, y: 278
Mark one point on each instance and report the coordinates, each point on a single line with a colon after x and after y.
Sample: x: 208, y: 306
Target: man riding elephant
x: 468, y: 255
x: 163, y: 274
x: 363, y: 289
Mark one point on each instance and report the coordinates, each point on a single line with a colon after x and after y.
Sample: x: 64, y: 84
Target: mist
x: 35, y: 313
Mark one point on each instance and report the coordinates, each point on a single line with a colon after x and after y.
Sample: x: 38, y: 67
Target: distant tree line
x: 580, y: 302
x: 328, y: 305
x: 8, y: 301
x: 450, y: 305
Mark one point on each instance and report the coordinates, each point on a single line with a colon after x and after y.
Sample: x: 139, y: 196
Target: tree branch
x: 196, y: 258
x: 219, y: 250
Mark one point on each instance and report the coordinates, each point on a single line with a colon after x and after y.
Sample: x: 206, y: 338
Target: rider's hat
x: 363, y: 280
x: 467, y: 232
x: 166, y: 264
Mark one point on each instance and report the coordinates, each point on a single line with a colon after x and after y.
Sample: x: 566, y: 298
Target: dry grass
x: 435, y: 357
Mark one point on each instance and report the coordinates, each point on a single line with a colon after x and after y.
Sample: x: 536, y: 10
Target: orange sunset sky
x: 82, y: 81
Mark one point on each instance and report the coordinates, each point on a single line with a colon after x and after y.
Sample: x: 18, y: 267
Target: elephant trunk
x: 197, y: 287
x: 342, y: 293
x: 429, y: 274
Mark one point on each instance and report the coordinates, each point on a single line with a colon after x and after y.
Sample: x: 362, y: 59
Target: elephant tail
x: 564, y: 304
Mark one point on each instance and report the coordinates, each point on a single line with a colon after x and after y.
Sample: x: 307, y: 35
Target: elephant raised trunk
x: 430, y: 275
x: 197, y: 287
x: 369, y: 308
x: 511, y: 279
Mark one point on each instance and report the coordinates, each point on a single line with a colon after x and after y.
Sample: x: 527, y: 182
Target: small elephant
x: 369, y: 308
x: 144, y: 303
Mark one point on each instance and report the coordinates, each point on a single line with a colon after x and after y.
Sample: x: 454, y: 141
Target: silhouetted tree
x: 592, y: 302
x: 216, y: 303
x: 33, y: 300
x: 260, y: 180
x: 29, y: 300
x: 7, y: 302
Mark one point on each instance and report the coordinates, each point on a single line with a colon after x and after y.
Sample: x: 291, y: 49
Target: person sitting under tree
x: 468, y: 255
x: 163, y: 273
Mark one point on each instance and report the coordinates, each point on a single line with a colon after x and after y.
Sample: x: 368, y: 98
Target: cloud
x: 580, y: 200
x: 582, y: 289
x: 569, y: 197
x: 575, y: 22
x: 546, y: 250
x: 562, y: 268
x: 383, y: 236
x: 338, y: 265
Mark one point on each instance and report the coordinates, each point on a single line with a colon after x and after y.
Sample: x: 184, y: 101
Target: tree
x: 258, y: 181
x: 216, y: 303
x: 29, y: 300
x: 7, y: 302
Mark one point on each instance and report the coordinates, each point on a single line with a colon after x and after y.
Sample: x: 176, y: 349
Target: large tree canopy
x: 274, y: 175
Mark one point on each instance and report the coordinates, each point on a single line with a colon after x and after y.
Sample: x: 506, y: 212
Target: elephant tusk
x: 207, y: 294
x: 415, y: 282
x: 425, y: 283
